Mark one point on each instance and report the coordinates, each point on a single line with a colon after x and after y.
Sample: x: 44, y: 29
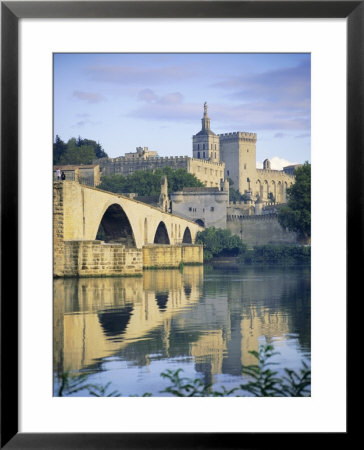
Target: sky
x: 127, y: 100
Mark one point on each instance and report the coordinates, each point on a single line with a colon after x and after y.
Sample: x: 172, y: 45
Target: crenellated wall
x: 209, y: 172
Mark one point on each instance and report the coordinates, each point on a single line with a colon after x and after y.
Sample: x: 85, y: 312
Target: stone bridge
x: 129, y: 231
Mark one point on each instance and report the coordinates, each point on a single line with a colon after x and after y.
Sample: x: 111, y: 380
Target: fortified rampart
x: 260, y: 230
x: 208, y: 172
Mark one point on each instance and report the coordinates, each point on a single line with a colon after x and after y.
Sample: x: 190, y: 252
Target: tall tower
x: 238, y: 151
x: 206, y: 144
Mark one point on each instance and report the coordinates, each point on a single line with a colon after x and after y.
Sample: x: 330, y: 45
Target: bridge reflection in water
x: 166, y: 314
x: 97, y: 317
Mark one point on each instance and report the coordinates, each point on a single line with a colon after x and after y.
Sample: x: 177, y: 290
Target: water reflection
x: 211, y: 318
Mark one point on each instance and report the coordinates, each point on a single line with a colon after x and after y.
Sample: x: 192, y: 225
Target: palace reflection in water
x: 201, y: 320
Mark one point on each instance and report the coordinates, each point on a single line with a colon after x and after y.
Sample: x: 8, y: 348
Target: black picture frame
x: 11, y: 12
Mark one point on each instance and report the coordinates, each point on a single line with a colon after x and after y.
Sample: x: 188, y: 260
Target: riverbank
x: 285, y: 255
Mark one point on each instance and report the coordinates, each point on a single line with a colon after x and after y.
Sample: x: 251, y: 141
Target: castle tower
x: 238, y: 151
x: 206, y: 144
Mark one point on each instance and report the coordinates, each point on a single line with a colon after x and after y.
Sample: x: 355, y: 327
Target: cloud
x: 287, y: 84
x: 89, y: 97
x: 83, y: 115
x: 135, y: 75
x: 277, y: 99
x: 149, y: 96
x: 83, y: 123
x: 169, y: 107
x: 258, y: 116
x: 279, y: 135
x: 278, y: 163
x: 303, y: 136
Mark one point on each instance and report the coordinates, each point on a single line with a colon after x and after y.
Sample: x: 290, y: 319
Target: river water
x: 127, y: 331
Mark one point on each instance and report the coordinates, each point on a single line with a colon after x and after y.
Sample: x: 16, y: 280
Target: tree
x: 59, y: 148
x: 148, y: 182
x: 76, y: 151
x: 296, y: 215
x: 219, y: 242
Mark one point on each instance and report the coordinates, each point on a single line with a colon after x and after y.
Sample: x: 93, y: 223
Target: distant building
x: 141, y: 153
x: 205, y: 205
x: 290, y: 169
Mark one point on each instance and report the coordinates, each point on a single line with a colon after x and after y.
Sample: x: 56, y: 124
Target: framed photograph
x: 111, y: 69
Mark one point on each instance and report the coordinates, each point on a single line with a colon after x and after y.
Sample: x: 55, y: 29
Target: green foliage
x: 71, y: 384
x: 76, y: 151
x: 59, y: 147
x: 263, y: 381
x: 148, y: 182
x: 219, y: 242
x: 191, y: 387
x: 296, y: 215
x: 277, y: 254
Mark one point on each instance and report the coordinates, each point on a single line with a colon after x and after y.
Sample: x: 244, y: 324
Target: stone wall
x: 171, y: 256
x: 58, y: 230
x: 260, y: 230
x: 205, y: 204
x: 95, y: 258
x: 209, y: 172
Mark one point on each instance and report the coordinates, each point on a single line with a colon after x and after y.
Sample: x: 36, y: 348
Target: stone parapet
x: 251, y: 137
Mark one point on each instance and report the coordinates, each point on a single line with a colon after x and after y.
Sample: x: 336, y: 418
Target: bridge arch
x: 115, y: 226
x: 200, y: 222
x: 187, y: 238
x: 161, y: 234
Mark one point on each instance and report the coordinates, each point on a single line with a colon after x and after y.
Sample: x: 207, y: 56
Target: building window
x: 189, y: 209
x: 198, y: 146
x: 203, y: 148
x: 244, y: 166
x: 204, y: 154
x: 212, y: 208
x: 228, y: 173
x: 215, y: 153
x: 198, y: 155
